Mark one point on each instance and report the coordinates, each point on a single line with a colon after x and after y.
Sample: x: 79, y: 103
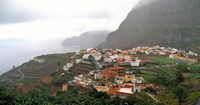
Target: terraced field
x: 83, y: 68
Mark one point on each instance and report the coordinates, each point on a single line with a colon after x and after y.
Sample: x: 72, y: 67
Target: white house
x: 138, y: 80
x: 172, y: 56
x: 114, y: 56
x: 97, y: 76
x: 135, y: 63
x: 86, y: 56
x: 78, y: 61
x: 67, y: 66
x: 93, y: 72
x: 39, y: 60
x: 108, y: 59
x: 97, y: 56
x: 192, y: 53
x: 137, y: 89
x: 119, y: 80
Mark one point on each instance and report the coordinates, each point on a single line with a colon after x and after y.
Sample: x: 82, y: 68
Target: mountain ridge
x: 162, y: 22
x: 88, y: 39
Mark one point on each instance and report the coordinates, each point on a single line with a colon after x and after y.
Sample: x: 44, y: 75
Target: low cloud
x: 9, y: 14
x: 144, y: 2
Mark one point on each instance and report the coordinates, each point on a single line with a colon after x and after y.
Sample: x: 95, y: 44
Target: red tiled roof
x: 127, y: 85
x: 120, y: 59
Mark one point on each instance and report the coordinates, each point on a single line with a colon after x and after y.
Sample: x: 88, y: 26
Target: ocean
x: 14, y: 52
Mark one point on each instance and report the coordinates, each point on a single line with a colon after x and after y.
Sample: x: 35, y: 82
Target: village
x: 114, y: 71
x: 151, y: 74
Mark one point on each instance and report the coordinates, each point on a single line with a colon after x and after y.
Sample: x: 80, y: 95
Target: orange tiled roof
x: 108, y: 83
x: 113, y: 90
x: 145, y: 85
x: 111, y: 72
x: 101, y: 88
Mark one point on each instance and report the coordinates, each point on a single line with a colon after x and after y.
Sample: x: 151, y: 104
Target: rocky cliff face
x: 173, y: 23
x: 87, y: 39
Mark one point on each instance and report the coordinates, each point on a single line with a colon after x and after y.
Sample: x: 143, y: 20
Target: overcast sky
x: 49, y: 19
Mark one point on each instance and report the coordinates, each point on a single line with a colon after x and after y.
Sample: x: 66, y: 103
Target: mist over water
x: 14, y: 52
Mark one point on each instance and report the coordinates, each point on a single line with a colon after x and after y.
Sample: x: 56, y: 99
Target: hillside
x: 172, y: 23
x: 36, y: 68
x: 86, y: 40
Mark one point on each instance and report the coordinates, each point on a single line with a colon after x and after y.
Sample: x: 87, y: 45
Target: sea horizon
x: 15, y: 52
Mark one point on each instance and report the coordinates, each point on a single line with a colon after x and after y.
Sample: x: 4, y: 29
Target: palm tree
x: 180, y: 92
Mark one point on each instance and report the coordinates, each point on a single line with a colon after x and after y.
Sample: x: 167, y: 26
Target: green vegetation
x: 148, y: 75
x: 28, y: 81
x: 181, y: 93
x: 57, y: 78
x: 71, y: 97
x: 176, y: 81
x: 193, y: 96
x: 163, y: 60
x: 34, y: 71
x: 192, y: 75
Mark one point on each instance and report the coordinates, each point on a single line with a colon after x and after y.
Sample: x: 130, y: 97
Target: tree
x: 180, y: 92
x: 179, y: 77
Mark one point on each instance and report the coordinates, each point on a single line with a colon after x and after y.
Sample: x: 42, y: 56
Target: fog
x: 29, y: 28
x: 14, y: 52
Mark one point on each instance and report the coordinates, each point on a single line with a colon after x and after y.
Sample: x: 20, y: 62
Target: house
x: 111, y: 72
x: 125, y: 52
x: 58, y: 87
x: 138, y: 80
x: 113, y: 91
x: 127, y: 58
x: 181, y: 57
x: 97, y: 56
x: 64, y: 87
x: 120, y: 59
x: 172, y: 56
x: 92, y: 73
x: 137, y: 89
x: 86, y: 56
x: 128, y: 78
x: 108, y: 59
x: 115, y: 56
x: 135, y: 63
x: 82, y: 80
x: 39, y: 60
x: 101, y: 88
x: 67, y: 66
x: 109, y: 84
x: 119, y: 80
x: 162, y: 53
x: 97, y: 76
x: 124, y: 64
x: 190, y: 53
x: 126, y: 90
x: 78, y: 61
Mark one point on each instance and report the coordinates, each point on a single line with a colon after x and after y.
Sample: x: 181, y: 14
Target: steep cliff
x: 173, y: 23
